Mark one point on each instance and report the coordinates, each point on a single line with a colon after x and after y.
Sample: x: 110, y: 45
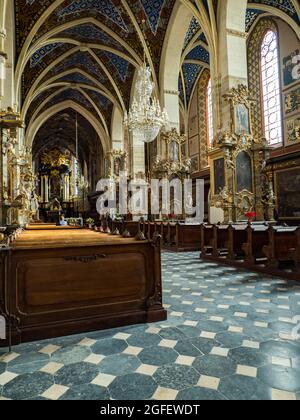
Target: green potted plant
x: 90, y: 222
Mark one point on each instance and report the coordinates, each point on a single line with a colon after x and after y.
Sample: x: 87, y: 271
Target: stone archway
x: 7, y: 55
x: 170, y: 65
x: 41, y: 119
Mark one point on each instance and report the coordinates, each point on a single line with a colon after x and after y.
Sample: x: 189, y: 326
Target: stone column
x: 46, y: 180
x: 232, y: 53
x: 42, y: 189
x: 66, y: 187
x: 137, y: 153
x: 3, y: 58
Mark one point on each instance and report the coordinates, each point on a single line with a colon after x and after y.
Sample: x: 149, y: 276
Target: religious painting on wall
x: 117, y: 166
x: 219, y: 175
x: 288, y: 193
x: 292, y: 101
x: 194, y: 164
x: 174, y: 151
x: 292, y: 131
x: 244, y: 179
x: 241, y: 119
x: 288, y: 68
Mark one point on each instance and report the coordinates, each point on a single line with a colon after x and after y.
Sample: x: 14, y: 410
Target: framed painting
x: 219, y: 175
x: 287, y: 188
x: 292, y: 127
x: 244, y: 178
x: 288, y: 68
x: 241, y: 119
x: 292, y: 102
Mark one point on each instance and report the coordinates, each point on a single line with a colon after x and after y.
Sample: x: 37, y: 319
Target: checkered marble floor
x: 228, y: 336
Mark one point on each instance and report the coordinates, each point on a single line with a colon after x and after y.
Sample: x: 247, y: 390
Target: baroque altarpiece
x: 19, y: 202
x: 240, y: 180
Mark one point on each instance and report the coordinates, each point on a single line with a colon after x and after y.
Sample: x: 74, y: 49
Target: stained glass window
x: 271, y: 88
x: 210, y: 114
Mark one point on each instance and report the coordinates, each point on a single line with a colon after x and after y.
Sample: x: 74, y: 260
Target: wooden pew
x: 220, y: 240
x: 4, y: 292
x: 188, y: 237
x: 164, y: 233
x: 237, y: 237
x: 283, y: 246
x: 130, y: 226
x: 151, y: 230
x: 90, y: 281
x: 257, y: 238
x: 172, y: 235
x: 207, y: 240
x: 296, y: 252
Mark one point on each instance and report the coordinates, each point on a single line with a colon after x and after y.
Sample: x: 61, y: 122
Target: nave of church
x: 149, y: 200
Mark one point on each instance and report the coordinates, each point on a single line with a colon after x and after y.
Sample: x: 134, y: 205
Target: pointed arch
x: 36, y: 124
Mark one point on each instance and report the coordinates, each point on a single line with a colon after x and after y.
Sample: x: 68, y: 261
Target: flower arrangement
x: 71, y: 221
x: 90, y: 222
x: 172, y: 216
x: 250, y: 216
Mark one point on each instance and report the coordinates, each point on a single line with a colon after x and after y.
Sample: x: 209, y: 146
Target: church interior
x: 157, y: 301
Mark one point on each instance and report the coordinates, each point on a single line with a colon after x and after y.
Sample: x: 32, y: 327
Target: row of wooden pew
x: 177, y: 237
x: 261, y: 246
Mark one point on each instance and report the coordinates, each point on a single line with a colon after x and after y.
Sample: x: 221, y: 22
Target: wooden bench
x: 220, y: 240
x: 283, y: 246
x: 129, y: 226
x: 237, y: 237
x: 257, y: 238
x: 207, y: 240
x: 188, y: 237
x: 68, y: 282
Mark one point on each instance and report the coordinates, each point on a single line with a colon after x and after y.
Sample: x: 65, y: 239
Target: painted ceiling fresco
x: 96, y: 46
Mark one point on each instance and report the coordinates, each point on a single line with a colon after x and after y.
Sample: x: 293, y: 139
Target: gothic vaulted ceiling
x: 196, y: 55
x: 86, y: 51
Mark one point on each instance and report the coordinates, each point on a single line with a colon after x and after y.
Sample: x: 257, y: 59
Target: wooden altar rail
x: 269, y: 249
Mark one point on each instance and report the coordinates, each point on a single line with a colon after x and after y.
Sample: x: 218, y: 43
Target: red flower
x: 250, y: 215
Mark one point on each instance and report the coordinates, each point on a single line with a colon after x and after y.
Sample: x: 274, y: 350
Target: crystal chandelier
x: 145, y: 118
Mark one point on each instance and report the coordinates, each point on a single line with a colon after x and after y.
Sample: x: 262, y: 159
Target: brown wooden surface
x: 64, y: 282
x: 283, y: 242
x: 221, y: 240
x: 177, y: 237
x: 207, y: 240
x: 237, y: 237
x: 51, y: 226
x: 266, y: 249
x: 257, y: 238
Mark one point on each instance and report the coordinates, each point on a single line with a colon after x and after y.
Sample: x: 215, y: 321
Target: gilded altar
x: 174, y: 164
x: 240, y: 182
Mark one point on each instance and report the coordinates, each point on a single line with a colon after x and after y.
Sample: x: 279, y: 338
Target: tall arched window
x: 210, y: 124
x: 271, y: 88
